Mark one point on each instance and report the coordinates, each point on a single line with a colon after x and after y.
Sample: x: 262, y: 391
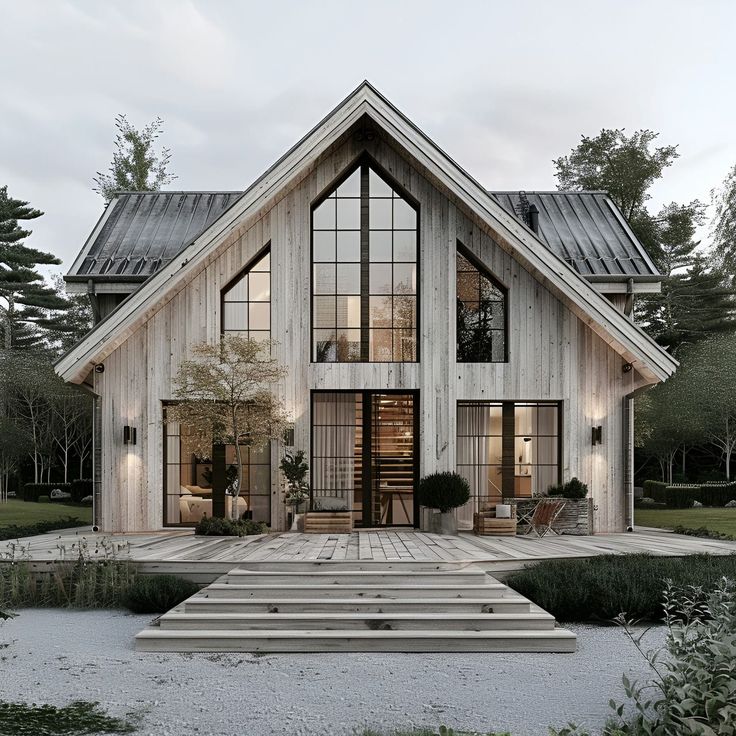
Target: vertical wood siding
x: 552, y: 354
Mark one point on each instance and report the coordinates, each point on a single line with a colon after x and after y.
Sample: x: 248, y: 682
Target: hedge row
x: 78, y: 488
x: 682, y: 497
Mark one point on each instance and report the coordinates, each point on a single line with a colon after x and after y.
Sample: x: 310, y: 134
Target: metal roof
x: 140, y: 232
x: 587, y: 230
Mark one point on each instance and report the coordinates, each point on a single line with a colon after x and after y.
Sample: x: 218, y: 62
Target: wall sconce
x: 289, y: 437
x: 597, y: 435
x: 129, y: 435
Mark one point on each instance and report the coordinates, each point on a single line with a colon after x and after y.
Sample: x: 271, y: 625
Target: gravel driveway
x: 55, y: 656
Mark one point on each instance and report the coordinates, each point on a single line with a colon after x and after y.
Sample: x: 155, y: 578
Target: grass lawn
x: 22, y: 513
x: 717, y: 520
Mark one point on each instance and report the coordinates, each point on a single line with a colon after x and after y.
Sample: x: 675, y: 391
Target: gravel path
x: 55, y: 656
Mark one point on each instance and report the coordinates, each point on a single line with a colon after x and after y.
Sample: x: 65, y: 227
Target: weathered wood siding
x: 552, y: 353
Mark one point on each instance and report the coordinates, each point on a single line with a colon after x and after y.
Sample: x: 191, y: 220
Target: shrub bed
x: 31, y: 530
x: 81, y: 488
x: 603, y: 587
x: 213, y: 527
x: 682, y: 496
x: 656, y: 490
x: 158, y: 593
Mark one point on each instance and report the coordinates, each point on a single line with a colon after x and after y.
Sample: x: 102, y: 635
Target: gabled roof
x: 141, y: 232
x: 588, y: 231
x: 650, y: 360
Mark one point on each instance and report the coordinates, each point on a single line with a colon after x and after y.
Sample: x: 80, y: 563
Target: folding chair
x: 540, y: 519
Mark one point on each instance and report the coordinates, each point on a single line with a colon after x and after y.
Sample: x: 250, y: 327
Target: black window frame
x: 365, y: 163
x: 484, y: 273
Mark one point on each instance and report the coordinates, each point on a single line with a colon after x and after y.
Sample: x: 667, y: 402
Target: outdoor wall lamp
x: 289, y: 437
x: 597, y: 435
x: 129, y: 435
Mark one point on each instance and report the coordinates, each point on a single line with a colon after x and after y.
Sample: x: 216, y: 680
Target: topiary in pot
x: 444, y: 491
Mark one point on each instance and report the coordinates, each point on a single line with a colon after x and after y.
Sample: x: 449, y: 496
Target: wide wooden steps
x: 357, y: 608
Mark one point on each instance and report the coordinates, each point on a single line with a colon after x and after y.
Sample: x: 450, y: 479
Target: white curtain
x: 333, y: 468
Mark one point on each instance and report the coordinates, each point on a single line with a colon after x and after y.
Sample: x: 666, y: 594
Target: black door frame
x: 366, y: 397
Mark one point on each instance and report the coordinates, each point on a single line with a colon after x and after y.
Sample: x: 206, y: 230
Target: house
x: 427, y: 323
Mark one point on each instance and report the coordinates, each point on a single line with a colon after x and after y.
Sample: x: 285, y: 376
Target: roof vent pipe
x: 534, y: 218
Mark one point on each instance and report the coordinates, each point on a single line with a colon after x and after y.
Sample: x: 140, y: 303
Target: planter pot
x: 297, y: 524
x: 576, y: 517
x: 328, y: 522
x: 443, y: 523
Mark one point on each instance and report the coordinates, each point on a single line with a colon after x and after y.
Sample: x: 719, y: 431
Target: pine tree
x: 26, y: 301
x: 696, y: 300
x: 724, y: 224
x: 135, y: 167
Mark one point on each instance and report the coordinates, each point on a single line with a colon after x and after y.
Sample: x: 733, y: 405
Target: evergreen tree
x: 26, y: 301
x: 696, y: 299
x: 64, y: 330
x: 724, y: 224
x: 136, y: 166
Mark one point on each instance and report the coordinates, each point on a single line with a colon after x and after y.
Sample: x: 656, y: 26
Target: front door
x: 364, y: 455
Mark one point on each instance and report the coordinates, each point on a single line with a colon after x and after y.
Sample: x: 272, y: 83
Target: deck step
x: 389, y: 589
x: 507, y: 604
x: 331, y: 609
x: 301, y: 640
x: 468, y: 576
x: 344, y: 621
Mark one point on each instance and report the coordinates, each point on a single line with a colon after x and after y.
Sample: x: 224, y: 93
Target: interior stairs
x: 359, y: 607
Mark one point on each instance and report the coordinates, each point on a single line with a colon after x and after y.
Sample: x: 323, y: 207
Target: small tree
x: 225, y: 397
x: 135, y: 167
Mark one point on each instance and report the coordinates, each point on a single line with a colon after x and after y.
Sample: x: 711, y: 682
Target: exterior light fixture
x: 627, y: 367
x: 289, y: 437
x: 129, y: 435
x: 597, y: 435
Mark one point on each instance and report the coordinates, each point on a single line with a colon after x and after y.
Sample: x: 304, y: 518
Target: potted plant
x: 295, y: 470
x: 444, y: 492
x: 577, y: 515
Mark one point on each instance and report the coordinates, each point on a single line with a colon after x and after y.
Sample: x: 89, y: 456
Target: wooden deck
x: 204, y: 558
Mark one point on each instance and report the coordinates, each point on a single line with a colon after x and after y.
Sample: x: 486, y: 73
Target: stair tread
x: 358, y: 616
x: 158, y: 633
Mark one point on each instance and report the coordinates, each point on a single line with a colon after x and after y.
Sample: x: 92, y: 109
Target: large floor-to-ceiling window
x: 364, y: 272
x: 508, y: 449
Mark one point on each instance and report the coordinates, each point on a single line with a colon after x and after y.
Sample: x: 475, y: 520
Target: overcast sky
x: 503, y: 87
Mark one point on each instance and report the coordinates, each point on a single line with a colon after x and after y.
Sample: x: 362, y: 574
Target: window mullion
x: 364, y: 266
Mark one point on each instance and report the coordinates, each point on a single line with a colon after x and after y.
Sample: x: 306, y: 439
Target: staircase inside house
x: 356, y: 607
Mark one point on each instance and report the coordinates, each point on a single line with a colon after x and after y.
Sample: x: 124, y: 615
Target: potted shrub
x: 444, y: 492
x: 295, y: 470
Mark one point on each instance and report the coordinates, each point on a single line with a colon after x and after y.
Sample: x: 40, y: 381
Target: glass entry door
x: 364, y: 456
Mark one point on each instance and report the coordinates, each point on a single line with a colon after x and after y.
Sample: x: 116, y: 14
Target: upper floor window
x: 364, y: 273
x: 246, y: 301
x: 481, y: 313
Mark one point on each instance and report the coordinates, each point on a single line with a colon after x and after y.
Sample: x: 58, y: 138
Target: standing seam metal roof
x: 143, y: 231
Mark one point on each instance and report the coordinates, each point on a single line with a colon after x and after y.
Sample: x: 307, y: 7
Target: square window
x: 380, y: 278
x: 259, y: 335
x: 264, y: 264
x: 235, y: 316
x: 348, y: 246
x: 324, y: 311
x: 325, y: 346
x: 238, y: 292
x: 323, y: 243
x: 379, y: 214
x: 379, y: 346
x: 259, y: 316
x: 468, y: 286
x: 379, y: 311
x: 324, y: 278
x: 348, y: 278
x: 348, y: 311
x: 348, y: 346
x: 405, y: 346
x: 405, y: 278
x: 405, y: 245
x: 405, y: 312
x: 259, y: 287
x: 348, y: 214
x: 323, y: 217
x: 379, y: 246
x: 405, y: 216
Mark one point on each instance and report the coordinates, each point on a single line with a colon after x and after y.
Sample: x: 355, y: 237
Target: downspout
x: 629, y: 306
x: 93, y: 300
x: 628, y: 428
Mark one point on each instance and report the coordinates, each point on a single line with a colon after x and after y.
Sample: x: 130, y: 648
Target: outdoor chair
x: 540, y: 518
